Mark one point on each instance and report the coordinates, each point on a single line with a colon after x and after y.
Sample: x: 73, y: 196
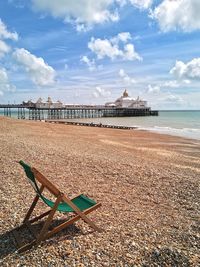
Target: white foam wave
x: 193, y: 133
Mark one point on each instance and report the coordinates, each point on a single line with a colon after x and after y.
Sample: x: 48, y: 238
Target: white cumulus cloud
x: 5, y: 34
x: 89, y: 62
x: 125, y: 77
x: 111, y: 48
x: 40, y: 72
x: 154, y: 89
x: 130, y: 53
x: 122, y: 36
x: 103, y: 48
x: 142, y: 4
x: 4, y: 48
x: 5, y: 84
x: 178, y: 15
x: 187, y: 71
x: 84, y: 13
x: 100, y: 92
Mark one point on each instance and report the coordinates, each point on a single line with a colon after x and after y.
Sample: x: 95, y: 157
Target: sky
x: 88, y: 52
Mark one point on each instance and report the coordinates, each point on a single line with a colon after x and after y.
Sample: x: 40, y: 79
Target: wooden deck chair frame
x: 45, y: 232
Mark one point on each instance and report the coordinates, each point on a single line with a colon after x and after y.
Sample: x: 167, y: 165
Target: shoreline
x: 148, y: 185
x: 170, y: 131
x: 157, y: 130
x: 163, y: 125
x: 165, y: 130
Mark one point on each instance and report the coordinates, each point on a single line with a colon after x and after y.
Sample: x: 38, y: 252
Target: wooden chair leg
x: 49, y: 219
x: 23, y: 248
x: 33, y: 205
x: 35, y: 219
x: 25, y: 221
x: 26, y: 247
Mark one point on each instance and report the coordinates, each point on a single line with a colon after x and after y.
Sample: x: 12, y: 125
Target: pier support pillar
x: 7, y: 112
x: 21, y: 113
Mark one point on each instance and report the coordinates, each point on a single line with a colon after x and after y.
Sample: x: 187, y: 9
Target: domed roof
x: 125, y: 97
x: 125, y: 93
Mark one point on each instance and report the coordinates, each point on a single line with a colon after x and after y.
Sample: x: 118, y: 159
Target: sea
x: 178, y: 123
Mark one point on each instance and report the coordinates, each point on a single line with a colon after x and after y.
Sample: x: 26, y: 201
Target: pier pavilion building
x: 125, y: 101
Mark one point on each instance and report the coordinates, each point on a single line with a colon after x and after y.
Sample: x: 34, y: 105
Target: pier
x: 25, y: 111
x: 124, y: 106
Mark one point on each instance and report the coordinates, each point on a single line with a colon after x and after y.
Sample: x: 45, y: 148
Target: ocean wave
x: 193, y: 133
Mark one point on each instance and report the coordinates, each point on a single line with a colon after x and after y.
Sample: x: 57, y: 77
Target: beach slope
x: 148, y: 185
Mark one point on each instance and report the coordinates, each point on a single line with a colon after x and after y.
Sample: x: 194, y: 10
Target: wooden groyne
x: 91, y: 124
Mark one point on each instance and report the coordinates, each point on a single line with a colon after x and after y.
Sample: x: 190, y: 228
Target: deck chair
x: 81, y: 205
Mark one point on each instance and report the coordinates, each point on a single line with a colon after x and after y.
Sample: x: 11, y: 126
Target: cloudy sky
x: 88, y: 51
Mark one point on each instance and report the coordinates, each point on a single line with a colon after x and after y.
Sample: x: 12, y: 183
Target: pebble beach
x: 148, y: 184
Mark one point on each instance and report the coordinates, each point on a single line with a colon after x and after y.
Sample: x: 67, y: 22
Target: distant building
x: 48, y: 104
x: 29, y: 103
x: 125, y: 101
